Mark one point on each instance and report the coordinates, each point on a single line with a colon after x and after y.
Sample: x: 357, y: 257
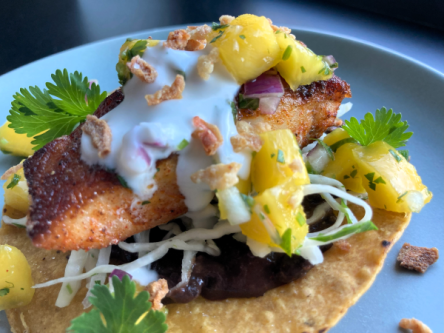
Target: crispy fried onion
x: 226, y: 19
x: 205, y: 63
x: 208, y: 134
x: 167, y: 92
x: 142, y: 69
x: 198, y: 37
x: 11, y: 171
x: 100, y: 134
x: 157, y: 289
x: 248, y: 136
x: 218, y: 176
x: 177, y: 39
x: 285, y: 30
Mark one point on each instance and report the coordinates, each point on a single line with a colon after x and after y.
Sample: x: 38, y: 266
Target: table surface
x: 33, y: 30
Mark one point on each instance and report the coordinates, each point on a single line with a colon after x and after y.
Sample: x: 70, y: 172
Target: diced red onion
x: 268, y: 88
x: 318, y: 158
x: 268, y: 105
x: 330, y: 60
x: 265, y: 85
x: 119, y: 273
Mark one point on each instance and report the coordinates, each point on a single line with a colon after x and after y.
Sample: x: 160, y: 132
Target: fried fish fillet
x: 76, y: 206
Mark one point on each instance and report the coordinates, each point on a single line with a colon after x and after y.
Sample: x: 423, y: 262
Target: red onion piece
x: 119, y: 273
x: 269, y: 105
x: 265, y: 85
x: 330, y: 61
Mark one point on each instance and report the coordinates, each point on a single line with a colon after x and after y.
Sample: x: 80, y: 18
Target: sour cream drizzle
x: 142, y: 134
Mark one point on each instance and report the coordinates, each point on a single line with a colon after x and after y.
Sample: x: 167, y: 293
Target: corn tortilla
x: 314, y: 303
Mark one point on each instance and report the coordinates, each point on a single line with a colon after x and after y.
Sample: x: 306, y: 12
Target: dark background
x: 31, y: 30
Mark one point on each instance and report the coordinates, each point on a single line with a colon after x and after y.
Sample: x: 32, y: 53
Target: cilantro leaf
x: 14, y: 181
x: 404, y: 153
x: 385, y: 126
x: 248, y: 103
x: 286, y: 242
x: 35, y: 111
x: 122, y: 312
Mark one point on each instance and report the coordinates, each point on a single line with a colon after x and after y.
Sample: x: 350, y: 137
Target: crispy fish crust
x: 308, y: 111
x: 314, y: 303
x: 77, y: 206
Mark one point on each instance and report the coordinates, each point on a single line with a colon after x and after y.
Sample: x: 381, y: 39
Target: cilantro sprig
x: 121, y: 312
x: 56, y: 110
x: 385, y: 126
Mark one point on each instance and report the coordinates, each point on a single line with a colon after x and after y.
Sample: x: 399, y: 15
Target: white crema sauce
x: 142, y: 134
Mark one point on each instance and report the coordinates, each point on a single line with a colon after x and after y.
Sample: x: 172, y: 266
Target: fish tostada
x: 218, y: 180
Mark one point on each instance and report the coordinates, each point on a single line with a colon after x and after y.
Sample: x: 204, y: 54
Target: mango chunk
x: 278, y: 159
x: 15, y: 278
x: 17, y: 197
x: 299, y: 65
x: 247, y: 47
x: 14, y: 143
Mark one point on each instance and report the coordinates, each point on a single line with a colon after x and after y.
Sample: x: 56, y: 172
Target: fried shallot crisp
x: 100, y: 134
x: 208, y: 134
x: 218, y: 176
x: 226, y: 19
x: 167, y: 92
x: 417, y: 258
x: 415, y: 325
x: 142, y: 69
x: 158, y: 290
x: 177, y: 39
x: 205, y: 63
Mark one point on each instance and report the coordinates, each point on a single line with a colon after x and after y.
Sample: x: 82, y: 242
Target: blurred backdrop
x: 34, y: 29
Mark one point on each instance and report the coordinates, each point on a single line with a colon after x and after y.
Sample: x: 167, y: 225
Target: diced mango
x: 300, y: 65
x: 343, y: 168
x: 278, y: 159
x: 15, y: 278
x: 14, y: 143
x: 247, y: 47
x: 392, y: 183
x: 280, y: 208
x: 17, y: 197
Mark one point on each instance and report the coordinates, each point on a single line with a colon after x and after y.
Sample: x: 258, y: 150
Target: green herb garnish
x: 396, y: 156
x: 338, y: 144
x: 122, y: 311
x: 300, y: 219
x: 145, y: 203
x: 404, y: 153
x: 242, y: 36
x: 401, y: 196
x: 286, y: 242
x: 303, y: 69
x: 137, y: 49
x: 182, y: 144
x: 216, y: 26
x: 221, y: 32
x: 248, y: 200
x: 267, y: 209
x: 345, y: 231
x: 344, y: 210
x: 327, y: 149
x: 182, y: 73
x: 55, y: 111
x: 14, y: 181
x: 68, y: 286
x: 233, y: 110
x: 280, y: 157
x: 122, y: 181
x: 385, y: 126
x: 372, y: 183
x: 248, y: 103
x: 287, y: 53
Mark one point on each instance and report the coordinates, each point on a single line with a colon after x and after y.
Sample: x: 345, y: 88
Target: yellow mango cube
x: 247, y: 47
x: 15, y: 278
x: 278, y: 159
x: 280, y: 208
x: 14, y: 143
x: 299, y: 65
x: 17, y: 196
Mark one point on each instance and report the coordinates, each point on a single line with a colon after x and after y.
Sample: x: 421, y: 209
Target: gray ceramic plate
x: 378, y: 77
